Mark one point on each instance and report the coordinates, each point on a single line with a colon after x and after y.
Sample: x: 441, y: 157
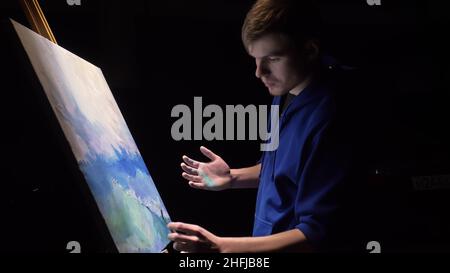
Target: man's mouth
x: 268, y: 84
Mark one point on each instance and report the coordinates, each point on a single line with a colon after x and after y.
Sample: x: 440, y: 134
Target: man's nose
x: 261, y: 70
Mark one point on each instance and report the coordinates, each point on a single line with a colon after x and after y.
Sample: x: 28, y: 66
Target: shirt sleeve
x: 325, y: 173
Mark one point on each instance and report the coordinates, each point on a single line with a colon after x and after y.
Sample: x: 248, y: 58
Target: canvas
x: 102, y: 145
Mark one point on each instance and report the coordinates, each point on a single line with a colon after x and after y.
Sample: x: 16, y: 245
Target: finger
x: 199, y: 186
x: 188, y: 169
x: 193, y: 178
x: 184, y: 248
x: 191, y: 162
x: 188, y: 229
x: 188, y: 239
x: 208, y: 153
x: 178, y: 246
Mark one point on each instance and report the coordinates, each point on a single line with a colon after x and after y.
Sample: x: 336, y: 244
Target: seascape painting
x: 102, y: 145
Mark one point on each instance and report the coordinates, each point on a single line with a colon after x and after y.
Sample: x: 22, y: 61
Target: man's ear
x: 312, y: 50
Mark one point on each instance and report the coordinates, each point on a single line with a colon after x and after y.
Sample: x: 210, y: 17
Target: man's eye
x: 274, y: 59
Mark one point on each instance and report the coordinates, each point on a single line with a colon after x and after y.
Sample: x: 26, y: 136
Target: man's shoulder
x: 323, y: 108
x: 338, y: 98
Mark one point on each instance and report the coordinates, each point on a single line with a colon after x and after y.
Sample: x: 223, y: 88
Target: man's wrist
x: 233, y: 178
x: 228, y: 245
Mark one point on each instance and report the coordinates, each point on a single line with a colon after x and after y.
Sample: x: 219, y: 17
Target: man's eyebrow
x: 274, y: 53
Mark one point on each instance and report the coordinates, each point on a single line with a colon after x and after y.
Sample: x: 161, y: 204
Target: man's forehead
x: 269, y: 44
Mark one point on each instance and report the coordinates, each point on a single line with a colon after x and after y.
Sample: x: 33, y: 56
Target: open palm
x: 214, y: 175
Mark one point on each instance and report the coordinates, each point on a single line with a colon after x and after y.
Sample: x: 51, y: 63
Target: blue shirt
x: 304, y: 183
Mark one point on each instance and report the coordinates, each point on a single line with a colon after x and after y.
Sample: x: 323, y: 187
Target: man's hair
x: 299, y: 20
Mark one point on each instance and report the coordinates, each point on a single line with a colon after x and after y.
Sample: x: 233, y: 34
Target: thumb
x: 208, y: 153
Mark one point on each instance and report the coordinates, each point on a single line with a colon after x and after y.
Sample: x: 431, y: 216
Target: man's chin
x: 276, y: 91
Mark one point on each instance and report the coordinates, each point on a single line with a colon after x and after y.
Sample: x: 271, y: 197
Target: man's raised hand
x: 214, y: 175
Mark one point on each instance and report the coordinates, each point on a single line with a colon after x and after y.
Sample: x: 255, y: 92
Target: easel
x: 36, y: 18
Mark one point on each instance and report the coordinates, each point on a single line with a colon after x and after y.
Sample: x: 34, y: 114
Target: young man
x: 302, y: 186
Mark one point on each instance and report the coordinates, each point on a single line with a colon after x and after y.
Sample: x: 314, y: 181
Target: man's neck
x: 301, y: 86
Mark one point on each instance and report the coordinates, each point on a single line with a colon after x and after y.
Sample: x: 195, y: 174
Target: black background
x: 157, y: 54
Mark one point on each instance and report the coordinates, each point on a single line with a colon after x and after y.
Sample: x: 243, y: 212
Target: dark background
x: 157, y: 54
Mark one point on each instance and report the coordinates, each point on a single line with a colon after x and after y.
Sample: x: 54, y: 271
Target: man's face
x: 278, y: 65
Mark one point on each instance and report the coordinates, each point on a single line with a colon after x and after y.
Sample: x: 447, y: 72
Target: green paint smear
x: 208, y: 181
